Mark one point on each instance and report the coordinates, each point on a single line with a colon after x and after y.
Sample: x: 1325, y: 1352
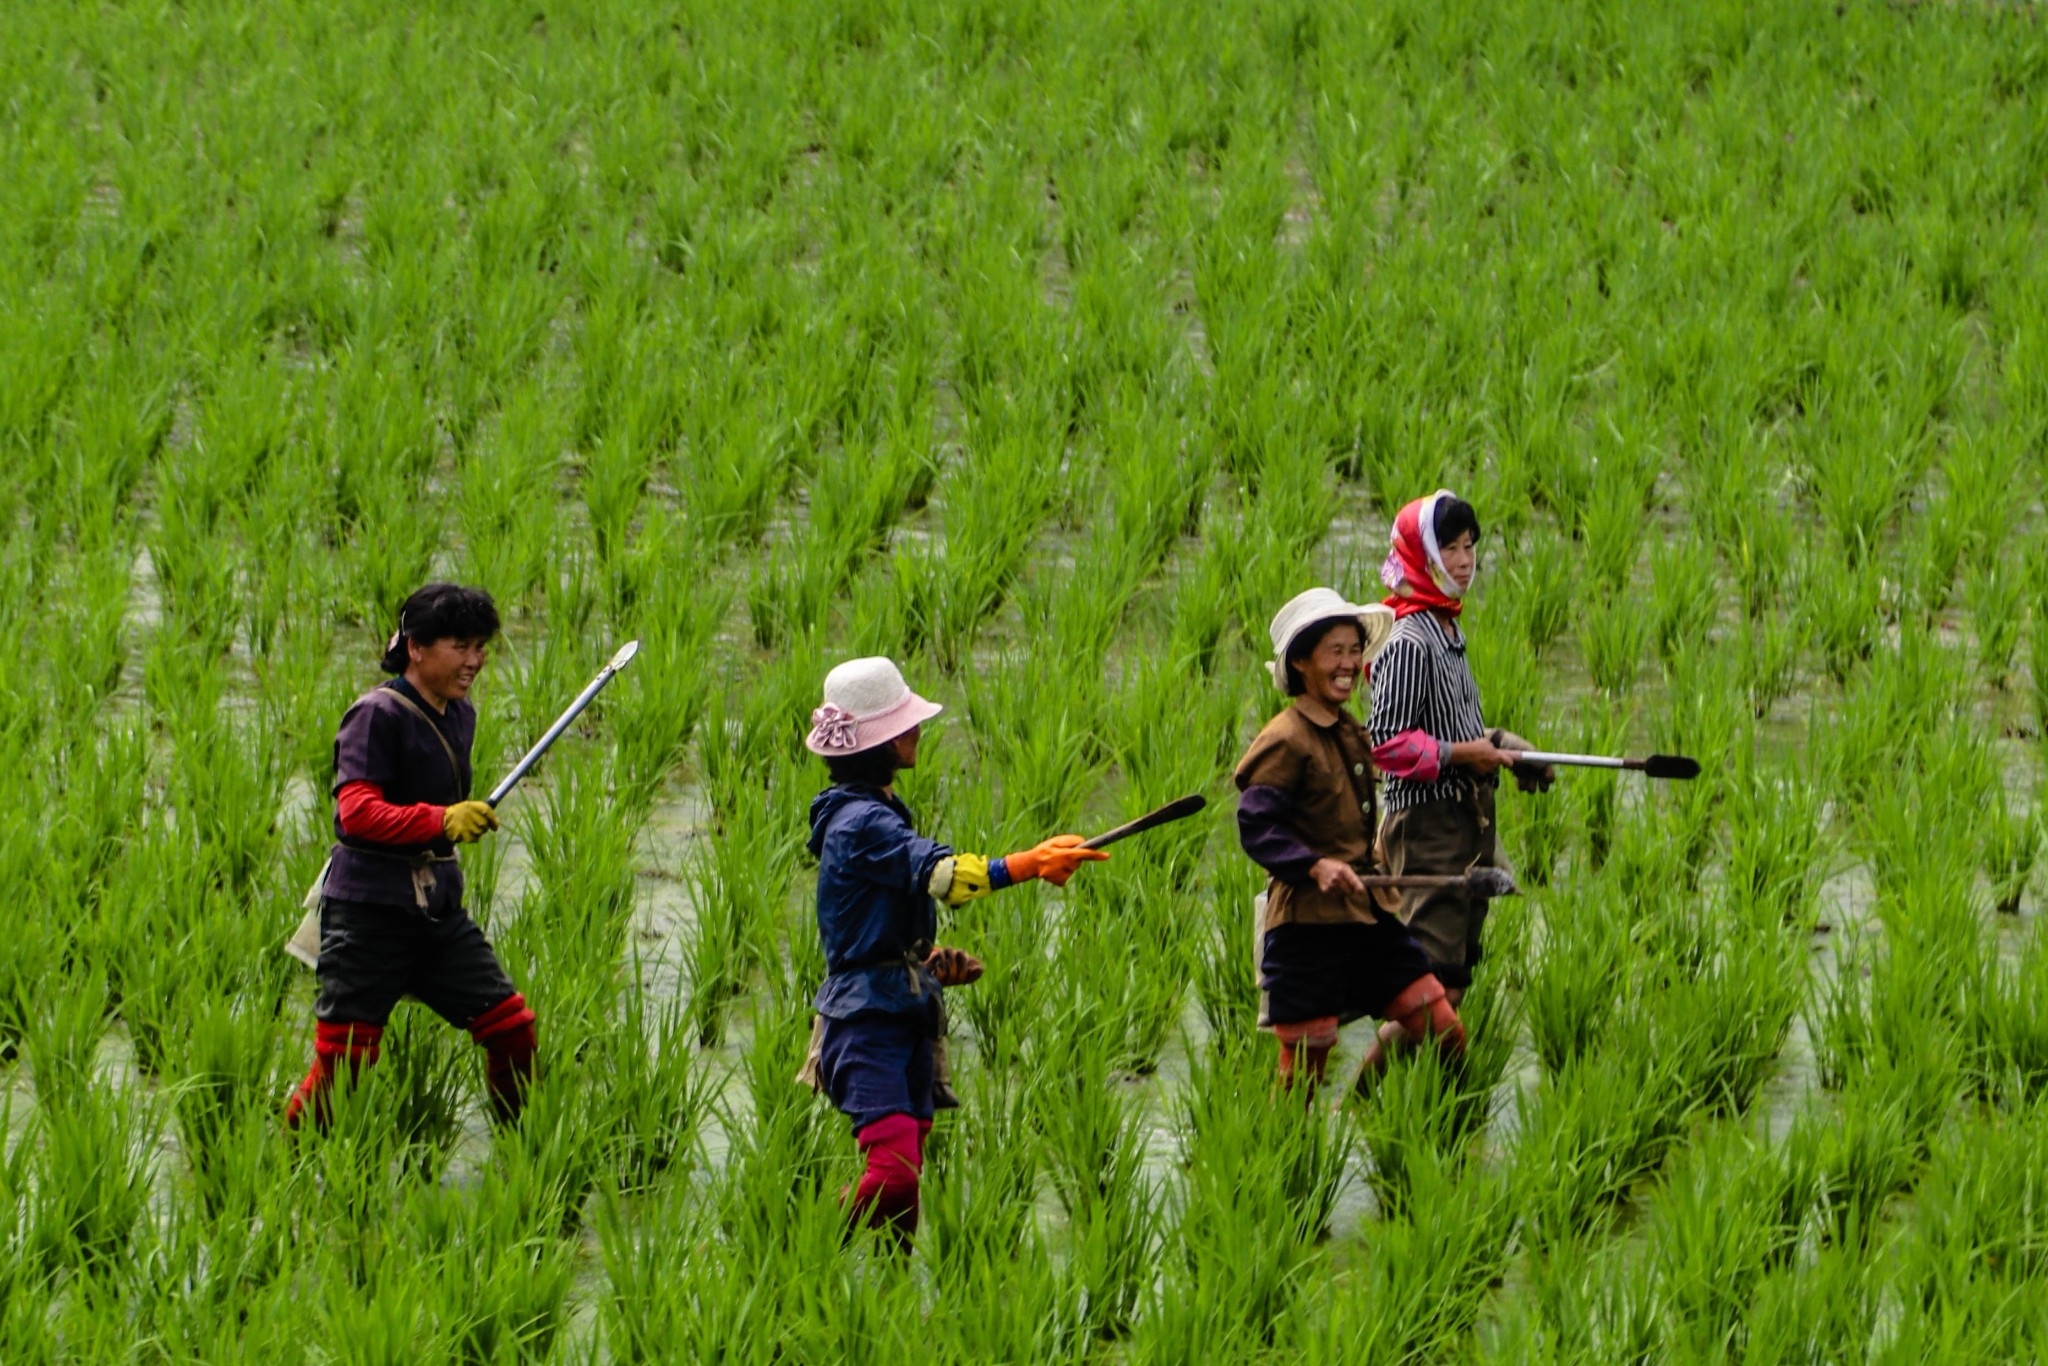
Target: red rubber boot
x: 507, y: 1034
x: 334, y: 1043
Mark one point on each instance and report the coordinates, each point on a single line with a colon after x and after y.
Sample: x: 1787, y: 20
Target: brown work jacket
x: 1327, y: 772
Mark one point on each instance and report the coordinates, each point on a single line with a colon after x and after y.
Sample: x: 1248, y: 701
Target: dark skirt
x: 1348, y: 970
x: 874, y: 1066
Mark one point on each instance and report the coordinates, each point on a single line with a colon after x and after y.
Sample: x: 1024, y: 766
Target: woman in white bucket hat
x: 877, y: 1048
x: 1330, y: 951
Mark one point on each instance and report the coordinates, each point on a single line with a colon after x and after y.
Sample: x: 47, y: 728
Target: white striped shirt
x: 1422, y: 681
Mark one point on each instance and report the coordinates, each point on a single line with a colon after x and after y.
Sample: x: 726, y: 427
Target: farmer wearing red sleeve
x: 1441, y: 760
x: 878, y: 1045
x: 1330, y: 950
x: 392, y: 921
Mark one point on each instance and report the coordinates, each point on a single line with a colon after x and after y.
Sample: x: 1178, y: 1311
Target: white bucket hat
x: 1303, y: 610
x: 867, y: 703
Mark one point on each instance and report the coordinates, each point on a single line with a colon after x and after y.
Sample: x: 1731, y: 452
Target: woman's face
x: 906, y: 747
x: 445, y: 668
x: 1461, y: 558
x: 1330, y: 673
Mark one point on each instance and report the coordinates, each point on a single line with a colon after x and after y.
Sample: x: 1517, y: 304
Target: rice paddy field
x: 1047, y: 346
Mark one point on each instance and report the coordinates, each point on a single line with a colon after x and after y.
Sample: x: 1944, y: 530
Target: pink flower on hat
x: 834, y: 730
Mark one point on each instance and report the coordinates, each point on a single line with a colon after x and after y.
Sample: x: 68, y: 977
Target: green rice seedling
x: 1600, y: 1128
x: 1094, y: 1147
x: 1537, y: 589
x: 1225, y: 985
x: 1592, y: 1301
x: 790, y: 1156
x: 26, y: 972
x: 1979, y: 1211
x: 1992, y: 589
x: 1726, y: 1024
x: 1835, y: 1296
x: 1844, y: 616
x: 1615, y: 637
x: 1426, y: 1277
x: 1571, y: 998
x: 63, y: 1036
x: 1611, y: 523
x: 548, y: 1164
x: 2011, y: 847
x: 1684, y: 598
x: 1123, y: 947
x: 90, y: 1183
x: 401, y: 1116
x: 646, y: 1076
x: 1732, y: 1211
x: 1771, y: 650
x: 2006, y: 1019
x: 1537, y: 832
x: 1511, y: 680
x: 230, y: 1070
x: 1595, y: 794
x: 1777, y: 846
x: 1262, y: 1180
x: 1424, y: 1111
x: 671, y: 1285
x: 1862, y: 1159
x: 574, y: 918
x: 727, y: 893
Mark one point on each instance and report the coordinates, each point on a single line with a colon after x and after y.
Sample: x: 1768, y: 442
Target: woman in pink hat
x: 876, y: 1048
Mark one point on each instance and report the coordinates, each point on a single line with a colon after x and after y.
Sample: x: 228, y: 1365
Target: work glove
x: 953, y: 967
x: 1528, y: 777
x: 1054, y: 860
x: 466, y: 822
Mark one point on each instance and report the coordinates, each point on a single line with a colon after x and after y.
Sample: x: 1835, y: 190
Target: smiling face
x: 1329, y: 673
x: 443, y: 669
x: 1461, y: 559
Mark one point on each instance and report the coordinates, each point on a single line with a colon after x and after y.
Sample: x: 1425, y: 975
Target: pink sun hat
x: 867, y: 703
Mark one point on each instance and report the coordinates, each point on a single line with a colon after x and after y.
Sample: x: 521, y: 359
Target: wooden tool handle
x: 1172, y: 811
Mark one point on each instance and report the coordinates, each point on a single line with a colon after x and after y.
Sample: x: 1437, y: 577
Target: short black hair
x: 874, y: 767
x: 1455, y: 517
x: 1304, y: 645
x: 437, y: 612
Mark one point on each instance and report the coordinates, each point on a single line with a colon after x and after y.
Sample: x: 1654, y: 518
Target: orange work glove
x: 953, y: 967
x: 1054, y: 860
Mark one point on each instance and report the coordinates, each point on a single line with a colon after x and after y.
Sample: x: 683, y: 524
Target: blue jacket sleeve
x: 880, y: 847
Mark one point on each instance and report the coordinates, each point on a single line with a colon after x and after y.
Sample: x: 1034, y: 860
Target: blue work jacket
x: 875, y: 917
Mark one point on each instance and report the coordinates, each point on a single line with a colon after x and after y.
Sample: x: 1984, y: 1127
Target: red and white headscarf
x: 1414, y: 567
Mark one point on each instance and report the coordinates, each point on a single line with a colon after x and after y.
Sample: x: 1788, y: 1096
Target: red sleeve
x: 365, y: 815
x: 1414, y: 755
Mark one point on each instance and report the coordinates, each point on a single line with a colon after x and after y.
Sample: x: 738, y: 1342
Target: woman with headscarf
x: 1430, y: 737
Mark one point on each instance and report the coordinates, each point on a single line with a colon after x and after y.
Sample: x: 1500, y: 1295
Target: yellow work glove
x: 466, y: 822
x: 1054, y: 860
x: 969, y: 876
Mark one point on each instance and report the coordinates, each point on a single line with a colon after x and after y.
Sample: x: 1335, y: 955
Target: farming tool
x: 1477, y: 882
x: 1655, y: 766
x: 1179, y: 809
x: 304, y: 944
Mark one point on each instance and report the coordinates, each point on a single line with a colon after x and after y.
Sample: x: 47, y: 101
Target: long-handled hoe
x: 304, y: 944
x: 1655, y: 766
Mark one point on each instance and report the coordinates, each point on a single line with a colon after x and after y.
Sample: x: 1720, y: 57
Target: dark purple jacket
x: 381, y: 741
